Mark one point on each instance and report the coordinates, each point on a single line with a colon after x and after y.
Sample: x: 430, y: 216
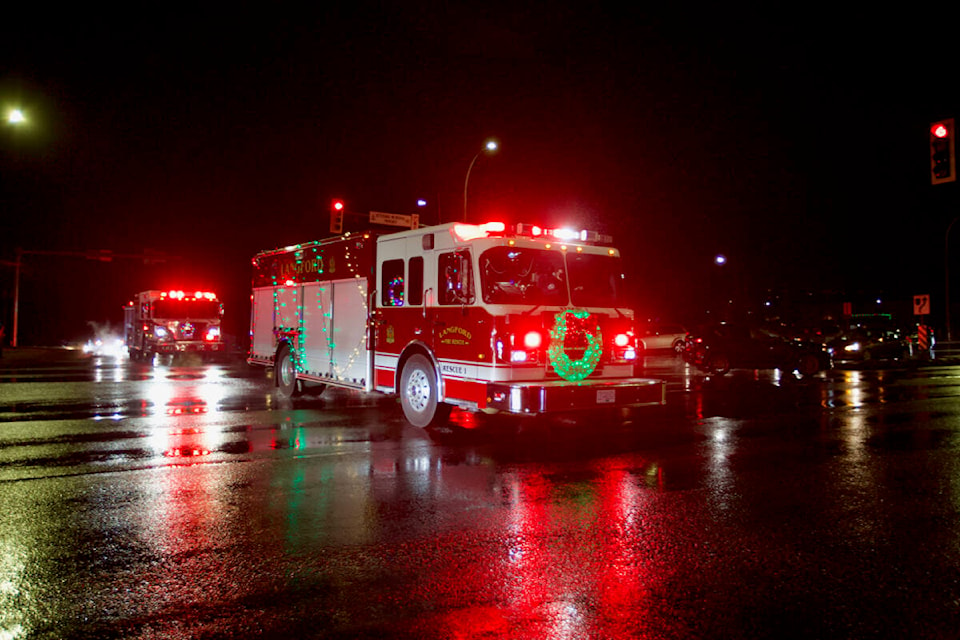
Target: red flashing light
x: 533, y: 340
x: 466, y: 232
x: 939, y: 130
x: 180, y: 295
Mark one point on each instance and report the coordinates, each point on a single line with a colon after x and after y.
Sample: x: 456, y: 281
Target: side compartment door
x: 333, y: 341
x: 349, y: 357
x: 317, y: 337
x: 262, y: 340
x: 287, y: 316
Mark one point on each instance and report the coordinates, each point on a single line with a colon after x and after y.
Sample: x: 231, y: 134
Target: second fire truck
x: 173, y: 322
x: 521, y: 320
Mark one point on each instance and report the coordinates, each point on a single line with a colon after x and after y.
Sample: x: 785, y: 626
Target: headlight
x: 161, y: 332
x: 213, y: 334
x: 853, y: 346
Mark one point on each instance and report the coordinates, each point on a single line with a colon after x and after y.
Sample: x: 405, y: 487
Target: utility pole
x: 103, y: 255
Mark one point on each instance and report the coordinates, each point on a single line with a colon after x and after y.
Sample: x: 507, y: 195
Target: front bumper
x: 189, y: 347
x: 560, y: 395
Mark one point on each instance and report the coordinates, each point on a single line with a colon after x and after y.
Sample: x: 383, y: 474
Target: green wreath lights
x: 572, y: 323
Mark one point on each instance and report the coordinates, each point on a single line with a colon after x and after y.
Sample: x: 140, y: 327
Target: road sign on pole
x: 921, y: 305
x: 394, y: 219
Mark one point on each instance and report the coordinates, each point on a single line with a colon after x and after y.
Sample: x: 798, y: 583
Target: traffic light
x: 942, y: 158
x: 336, y: 217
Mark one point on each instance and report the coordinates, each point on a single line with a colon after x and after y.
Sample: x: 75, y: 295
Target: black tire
x: 285, y: 374
x: 719, y: 364
x: 419, y: 394
x: 809, y: 365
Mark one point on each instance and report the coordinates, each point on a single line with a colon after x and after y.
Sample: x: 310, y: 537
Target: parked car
x: 663, y: 336
x: 717, y: 348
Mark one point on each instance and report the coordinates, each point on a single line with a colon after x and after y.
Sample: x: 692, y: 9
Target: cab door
x: 455, y: 296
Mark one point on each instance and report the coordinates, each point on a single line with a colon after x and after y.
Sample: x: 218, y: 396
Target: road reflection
x: 220, y: 507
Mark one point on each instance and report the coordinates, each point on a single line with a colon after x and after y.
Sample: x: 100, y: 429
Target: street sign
x: 394, y: 219
x: 921, y: 305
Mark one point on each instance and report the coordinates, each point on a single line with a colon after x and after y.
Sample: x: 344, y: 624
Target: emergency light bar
x: 563, y: 234
x: 180, y: 295
x: 466, y: 232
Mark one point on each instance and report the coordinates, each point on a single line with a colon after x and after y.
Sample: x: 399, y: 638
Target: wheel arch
x: 418, y: 347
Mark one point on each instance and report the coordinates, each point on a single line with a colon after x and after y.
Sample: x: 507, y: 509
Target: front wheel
x: 419, y: 395
x: 285, y: 374
x: 809, y: 365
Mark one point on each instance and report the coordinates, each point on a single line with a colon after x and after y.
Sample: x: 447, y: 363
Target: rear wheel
x: 285, y: 374
x: 719, y: 364
x: 809, y: 365
x: 679, y: 345
x: 419, y: 395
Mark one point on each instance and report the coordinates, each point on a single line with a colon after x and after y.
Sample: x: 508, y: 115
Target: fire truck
x: 483, y: 317
x: 172, y: 322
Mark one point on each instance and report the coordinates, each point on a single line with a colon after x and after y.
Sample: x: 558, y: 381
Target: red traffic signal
x: 942, y: 154
x: 336, y: 217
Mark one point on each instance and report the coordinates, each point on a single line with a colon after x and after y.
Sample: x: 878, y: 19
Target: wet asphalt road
x: 186, y: 501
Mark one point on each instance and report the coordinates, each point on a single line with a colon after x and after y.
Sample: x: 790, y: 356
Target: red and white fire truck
x: 172, y: 322
x: 481, y: 317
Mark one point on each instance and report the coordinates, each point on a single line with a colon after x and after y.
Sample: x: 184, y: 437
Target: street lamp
x: 489, y: 147
x: 16, y: 117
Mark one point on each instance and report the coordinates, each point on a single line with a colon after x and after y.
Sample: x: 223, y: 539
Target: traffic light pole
x: 943, y: 168
x: 946, y: 278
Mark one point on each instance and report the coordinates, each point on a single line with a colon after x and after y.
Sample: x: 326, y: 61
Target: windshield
x: 511, y: 275
x: 180, y: 309
x: 595, y: 280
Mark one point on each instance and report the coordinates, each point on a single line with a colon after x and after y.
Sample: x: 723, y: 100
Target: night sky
x: 796, y: 145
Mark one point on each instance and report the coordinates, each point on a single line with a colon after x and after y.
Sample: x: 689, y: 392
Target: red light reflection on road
x: 579, y: 559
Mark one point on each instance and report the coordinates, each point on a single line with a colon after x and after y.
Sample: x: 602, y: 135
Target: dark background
x: 796, y: 144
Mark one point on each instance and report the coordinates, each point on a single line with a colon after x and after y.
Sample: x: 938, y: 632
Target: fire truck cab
x: 172, y: 322
x: 481, y: 317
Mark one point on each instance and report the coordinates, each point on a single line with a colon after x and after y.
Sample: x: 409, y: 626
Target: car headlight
x: 853, y: 346
x: 161, y: 332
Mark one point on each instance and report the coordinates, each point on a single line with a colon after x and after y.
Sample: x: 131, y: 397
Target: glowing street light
x: 16, y: 116
x: 489, y: 146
